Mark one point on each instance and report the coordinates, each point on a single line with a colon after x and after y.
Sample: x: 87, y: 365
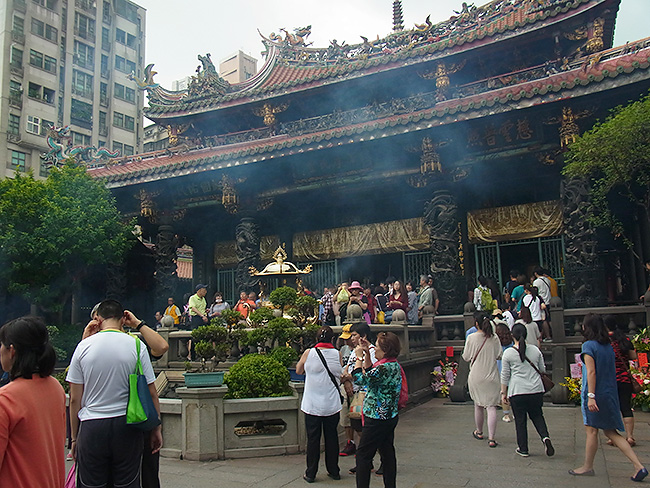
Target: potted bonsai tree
x: 211, y: 345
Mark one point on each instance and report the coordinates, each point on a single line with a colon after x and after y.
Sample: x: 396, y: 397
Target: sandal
x: 610, y: 442
x: 631, y: 441
x: 492, y: 443
x: 478, y: 435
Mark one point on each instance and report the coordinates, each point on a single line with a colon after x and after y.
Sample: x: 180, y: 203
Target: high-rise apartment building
x: 238, y: 67
x: 66, y: 63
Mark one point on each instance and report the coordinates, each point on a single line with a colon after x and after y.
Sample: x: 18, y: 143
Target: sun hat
x: 346, y: 334
x: 355, y: 286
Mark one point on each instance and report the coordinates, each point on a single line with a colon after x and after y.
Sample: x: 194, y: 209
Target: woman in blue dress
x: 600, y: 407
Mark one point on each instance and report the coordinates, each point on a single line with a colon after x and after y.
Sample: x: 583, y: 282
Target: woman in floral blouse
x: 383, y: 381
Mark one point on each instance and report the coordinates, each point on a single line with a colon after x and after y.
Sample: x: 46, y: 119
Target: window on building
x: 103, y: 94
x: 34, y: 90
x: 101, y: 144
x: 87, y: 5
x: 48, y: 95
x: 103, y: 126
x: 128, y: 150
x: 82, y: 84
x: 104, y: 66
x: 106, y: 41
x: 123, y: 121
x: 120, y: 36
x: 79, y: 139
x: 33, y: 125
x: 43, y: 170
x: 118, y: 146
x: 84, y: 26
x: 43, y: 61
x: 84, y: 55
x: 124, y: 65
x: 18, y: 25
x: 17, y: 161
x: 106, y: 13
x: 38, y: 27
x: 16, y: 57
x: 51, y: 33
x: 81, y: 113
x: 127, y: 10
x: 51, y: 4
x: 14, y: 124
x: 124, y: 93
x: 15, y: 90
x: 45, y: 126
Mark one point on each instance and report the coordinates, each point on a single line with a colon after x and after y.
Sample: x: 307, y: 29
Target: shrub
x: 309, y: 335
x: 283, y: 296
x: 286, y: 356
x: 282, y: 330
x: 231, y: 317
x: 65, y: 338
x: 210, y: 333
x: 257, y: 337
x: 256, y: 376
x: 261, y: 315
x: 306, y: 305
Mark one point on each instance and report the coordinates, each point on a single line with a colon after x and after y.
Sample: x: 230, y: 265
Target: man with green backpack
x: 104, y: 446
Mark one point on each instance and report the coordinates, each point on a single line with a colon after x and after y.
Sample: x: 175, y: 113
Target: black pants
x: 150, y: 464
x: 108, y: 454
x: 329, y: 426
x: 528, y: 405
x: 625, y: 398
x: 377, y: 434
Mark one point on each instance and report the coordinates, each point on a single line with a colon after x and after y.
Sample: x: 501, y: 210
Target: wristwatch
x: 591, y: 395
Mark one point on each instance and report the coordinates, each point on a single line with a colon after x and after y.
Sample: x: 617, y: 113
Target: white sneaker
x: 507, y: 418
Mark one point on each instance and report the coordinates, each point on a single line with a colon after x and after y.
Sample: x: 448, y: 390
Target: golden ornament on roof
x: 280, y: 266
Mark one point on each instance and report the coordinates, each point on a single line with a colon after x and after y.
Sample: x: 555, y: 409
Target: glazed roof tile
x: 284, y: 75
x: 168, y: 164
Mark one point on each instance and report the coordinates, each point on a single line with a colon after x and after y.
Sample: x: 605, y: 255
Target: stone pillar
x: 202, y: 419
x: 559, y: 394
x: 116, y: 281
x: 584, y: 274
x: 441, y: 217
x: 247, y: 242
x: 166, y: 278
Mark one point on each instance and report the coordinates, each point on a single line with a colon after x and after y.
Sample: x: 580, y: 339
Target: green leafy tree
x: 615, y: 156
x: 54, y: 232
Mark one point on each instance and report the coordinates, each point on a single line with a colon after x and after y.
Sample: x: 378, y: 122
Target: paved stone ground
x: 435, y: 449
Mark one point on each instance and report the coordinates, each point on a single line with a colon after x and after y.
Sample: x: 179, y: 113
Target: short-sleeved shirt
x: 535, y: 306
x: 383, y: 384
x: 32, y: 431
x: 102, y: 363
x: 621, y: 354
x: 352, y: 359
x: 516, y: 296
x: 198, y: 303
x: 609, y: 413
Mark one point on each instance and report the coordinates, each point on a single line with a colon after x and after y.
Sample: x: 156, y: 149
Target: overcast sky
x: 179, y: 30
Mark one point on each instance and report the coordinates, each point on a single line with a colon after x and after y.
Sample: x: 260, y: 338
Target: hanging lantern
x: 229, y: 197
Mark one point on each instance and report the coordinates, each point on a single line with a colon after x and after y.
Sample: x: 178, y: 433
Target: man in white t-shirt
x: 106, y: 449
x: 543, y: 285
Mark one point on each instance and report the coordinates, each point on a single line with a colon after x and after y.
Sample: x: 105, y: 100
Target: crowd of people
x: 352, y: 380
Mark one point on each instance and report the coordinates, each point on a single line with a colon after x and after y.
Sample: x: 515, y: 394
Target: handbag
x: 356, y: 405
x: 140, y: 411
x: 71, y: 479
x: 336, y: 385
x: 546, y: 379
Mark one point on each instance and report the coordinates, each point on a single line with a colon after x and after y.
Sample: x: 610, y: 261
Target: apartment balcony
x: 20, y: 6
x: 103, y: 130
x: 88, y: 6
x: 16, y: 100
x: 15, y: 138
x: 17, y: 69
x: 18, y: 37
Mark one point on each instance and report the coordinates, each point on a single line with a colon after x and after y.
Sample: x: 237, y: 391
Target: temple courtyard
x: 435, y: 448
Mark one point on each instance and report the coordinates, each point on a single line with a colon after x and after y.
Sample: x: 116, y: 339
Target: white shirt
x: 521, y: 377
x: 532, y: 332
x: 543, y: 288
x: 102, y: 363
x: 349, y: 367
x: 535, y: 306
x: 321, y: 398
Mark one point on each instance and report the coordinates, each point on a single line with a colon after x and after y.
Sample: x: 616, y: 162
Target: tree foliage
x: 615, y: 156
x: 54, y: 231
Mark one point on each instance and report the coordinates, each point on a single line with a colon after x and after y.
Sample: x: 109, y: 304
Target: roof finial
x: 398, y: 20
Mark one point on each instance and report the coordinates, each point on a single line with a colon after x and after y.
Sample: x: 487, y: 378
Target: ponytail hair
x: 34, y: 353
x: 519, y: 332
x: 532, y: 289
x: 486, y: 327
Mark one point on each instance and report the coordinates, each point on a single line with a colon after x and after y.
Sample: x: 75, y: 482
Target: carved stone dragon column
x: 247, y: 241
x: 166, y: 277
x: 583, y: 271
x: 116, y: 281
x: 441, y: 216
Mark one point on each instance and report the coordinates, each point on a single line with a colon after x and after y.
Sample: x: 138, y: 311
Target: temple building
x: 435, y: 150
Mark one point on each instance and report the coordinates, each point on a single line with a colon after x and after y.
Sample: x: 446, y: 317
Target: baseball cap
x: 346, y: 332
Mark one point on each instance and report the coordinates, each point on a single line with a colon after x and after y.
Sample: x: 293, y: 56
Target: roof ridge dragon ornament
x: 60, y: 143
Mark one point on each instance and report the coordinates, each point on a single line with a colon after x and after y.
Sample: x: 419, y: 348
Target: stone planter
x: 195, y: 380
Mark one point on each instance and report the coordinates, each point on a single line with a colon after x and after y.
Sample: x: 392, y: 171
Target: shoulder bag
x: 140, y: 411
x: 478, y: 352
x: 336, y: 385
x: 546, y: 379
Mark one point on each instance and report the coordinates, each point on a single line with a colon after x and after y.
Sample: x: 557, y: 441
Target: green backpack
x: 487, y: 302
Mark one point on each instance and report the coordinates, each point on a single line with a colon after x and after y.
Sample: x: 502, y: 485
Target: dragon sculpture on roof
x: 61, y: 148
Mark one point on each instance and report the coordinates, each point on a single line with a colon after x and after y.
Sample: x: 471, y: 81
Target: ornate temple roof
x: 535, y: 86
x: 292, y: 65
